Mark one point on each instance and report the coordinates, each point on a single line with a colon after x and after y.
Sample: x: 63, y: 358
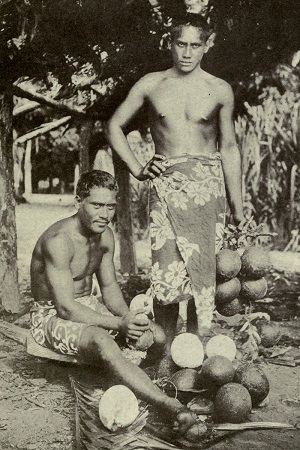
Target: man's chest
x: 174, y: 100
x: 86, y: 260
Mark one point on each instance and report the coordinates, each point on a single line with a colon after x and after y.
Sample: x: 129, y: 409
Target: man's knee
x: 96, y: 342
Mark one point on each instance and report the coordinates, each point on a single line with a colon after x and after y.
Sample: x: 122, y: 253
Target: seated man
x: 66, y: 317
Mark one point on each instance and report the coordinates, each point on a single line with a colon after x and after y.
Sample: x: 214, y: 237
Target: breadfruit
x: 216, y: 371
x: 227, y: 291
x: 269, y: 333
x: 228, y: 264
x: 195, y: 432
x: 254, y: 289
x: 145, y: 341
x: 118, y: 407
x: 232, y: 403
x: 186, y: 379
x: 221, y: 345
x: 231, y: 308
x: 255, y: 262
x: 254, y: 379
x: 142, y: 301
x: 187, y: 351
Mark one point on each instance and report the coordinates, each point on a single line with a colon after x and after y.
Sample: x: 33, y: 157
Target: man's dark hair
x: 191, y: 19
x: 95, y: 179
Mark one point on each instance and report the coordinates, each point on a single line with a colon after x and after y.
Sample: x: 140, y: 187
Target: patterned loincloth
x: 187, y: 215
x: 58, y: 334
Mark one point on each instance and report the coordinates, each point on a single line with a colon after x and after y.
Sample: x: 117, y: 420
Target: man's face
x: 97, y: 210
x: 188, y: 49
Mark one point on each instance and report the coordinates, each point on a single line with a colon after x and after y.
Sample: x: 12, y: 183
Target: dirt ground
x: 36, y: 402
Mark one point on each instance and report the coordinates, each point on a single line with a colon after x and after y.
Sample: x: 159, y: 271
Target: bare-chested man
x: 67, y: 318
x: 196, y: 157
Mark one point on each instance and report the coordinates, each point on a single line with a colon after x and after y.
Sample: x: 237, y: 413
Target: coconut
x: 269, y: 333
x: 216, y: 371
x: 228, y: 264
x: 231, y: 308
x: 255, y: 262
x: 221, y: 345
x: 142, y: 301
x: 227, y: 291
x: 254, y: 379
x: 187, y: 351
x: 254, y: 289
x: 118, y: 407
x: 232, y: 403
x: 186, y: 379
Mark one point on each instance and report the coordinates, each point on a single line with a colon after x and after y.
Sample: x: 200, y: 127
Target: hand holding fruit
x: 134, y: 324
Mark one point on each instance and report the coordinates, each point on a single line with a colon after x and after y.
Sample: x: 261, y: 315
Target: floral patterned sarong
x: 187, y: 215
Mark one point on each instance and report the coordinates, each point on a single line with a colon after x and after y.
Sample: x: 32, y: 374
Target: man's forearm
x: 119, y: 144
x: 231, y: 162
x: 113, y: 299
x: 82, y: 314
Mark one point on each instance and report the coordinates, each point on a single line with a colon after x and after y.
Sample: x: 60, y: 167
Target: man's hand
x: 152, y: 169
x: 132, y: 326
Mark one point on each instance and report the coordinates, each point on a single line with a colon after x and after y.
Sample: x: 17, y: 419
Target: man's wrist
x: 119, y: 323
x: 137, y: 171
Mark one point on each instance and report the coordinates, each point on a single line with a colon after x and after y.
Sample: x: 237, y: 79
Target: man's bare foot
x: 184, y: 420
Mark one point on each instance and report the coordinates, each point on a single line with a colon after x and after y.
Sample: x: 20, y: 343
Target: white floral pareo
x: 160, y: 229
x: 205, y: 305
x: 187, y: 204
x: 186, y: 248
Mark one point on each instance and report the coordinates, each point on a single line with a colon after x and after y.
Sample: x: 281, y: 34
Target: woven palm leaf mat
x: 151, y: 430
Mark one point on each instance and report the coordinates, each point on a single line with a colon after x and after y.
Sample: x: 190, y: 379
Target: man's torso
x: 184, y: 113
x: 87, y: 256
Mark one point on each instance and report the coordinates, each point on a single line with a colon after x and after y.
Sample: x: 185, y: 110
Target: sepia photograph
x: 149, y: 224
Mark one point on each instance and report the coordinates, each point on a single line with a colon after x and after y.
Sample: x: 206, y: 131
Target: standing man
x: 196, y: 161
x: 67, y: 319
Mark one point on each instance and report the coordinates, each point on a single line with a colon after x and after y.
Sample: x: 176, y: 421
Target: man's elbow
x: 64, y: 313
x: 111, y: 127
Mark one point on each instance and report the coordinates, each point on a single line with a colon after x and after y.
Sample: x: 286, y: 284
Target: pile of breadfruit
x: 240, y: 278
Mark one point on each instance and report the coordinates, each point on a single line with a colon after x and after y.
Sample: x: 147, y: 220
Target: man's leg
x: 166, y: 316
x: 97, y: 346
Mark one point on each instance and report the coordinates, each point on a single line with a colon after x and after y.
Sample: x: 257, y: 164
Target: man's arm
x: 111, y: 293
x: 117, y: 139
x: 58, y: 253
x: 230, y: 155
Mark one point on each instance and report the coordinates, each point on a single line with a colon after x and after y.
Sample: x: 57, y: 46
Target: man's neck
x: 190, y: 76
x: 82, y: 230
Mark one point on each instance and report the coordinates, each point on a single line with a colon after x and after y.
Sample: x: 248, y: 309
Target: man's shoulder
x: 221, y: 87
x: 150, y: 80
x: 57, y: 237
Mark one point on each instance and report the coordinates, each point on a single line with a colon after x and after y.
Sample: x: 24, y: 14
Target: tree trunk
x: 9, y: 290
x: 28, y: 168
x: 127, y: 249
x: 85, y: 135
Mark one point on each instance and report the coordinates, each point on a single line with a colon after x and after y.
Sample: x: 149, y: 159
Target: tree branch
x: 21, y: 92
x: 29, y: 106
x: 42, y: 129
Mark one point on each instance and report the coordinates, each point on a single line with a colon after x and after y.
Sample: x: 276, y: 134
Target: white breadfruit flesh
x: 118, y: 407
x: 187, y: 351
x: 142, y: 301
x: 221, y: 345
